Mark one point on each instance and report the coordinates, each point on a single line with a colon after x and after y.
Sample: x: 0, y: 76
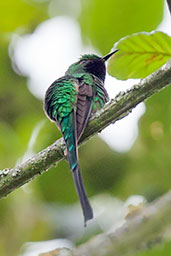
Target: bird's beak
x: 105, y: 58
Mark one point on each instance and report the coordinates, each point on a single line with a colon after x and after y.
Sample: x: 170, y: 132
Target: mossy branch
x: 140, y: 232
x: 116, y: 109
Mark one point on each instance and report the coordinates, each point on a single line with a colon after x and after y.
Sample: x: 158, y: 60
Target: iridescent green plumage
x: 69, y: 102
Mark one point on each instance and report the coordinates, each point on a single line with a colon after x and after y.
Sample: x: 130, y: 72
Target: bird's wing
x: 101, y: 96
x: 60, y: 98
x: 61, y: 106
x: 84, y: 106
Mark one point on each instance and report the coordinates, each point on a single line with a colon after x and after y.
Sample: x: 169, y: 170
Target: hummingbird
x: 69, y: 102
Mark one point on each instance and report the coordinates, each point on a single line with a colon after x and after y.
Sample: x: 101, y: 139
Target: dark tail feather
x: 70, y: 138
x: 86, y: 208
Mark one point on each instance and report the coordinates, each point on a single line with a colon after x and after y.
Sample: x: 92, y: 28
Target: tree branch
x: 140, y: 232
x: 116, y: 109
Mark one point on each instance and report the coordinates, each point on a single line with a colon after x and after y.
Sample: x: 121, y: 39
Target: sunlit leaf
x: 139, y: 55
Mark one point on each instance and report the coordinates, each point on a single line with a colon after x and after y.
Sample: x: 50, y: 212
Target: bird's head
x: 92, y: 64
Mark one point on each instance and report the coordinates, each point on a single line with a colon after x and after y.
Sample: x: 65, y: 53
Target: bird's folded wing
x: 100, y: 97
x: 84, y: 106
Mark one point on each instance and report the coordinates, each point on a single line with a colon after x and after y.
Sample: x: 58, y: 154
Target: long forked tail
x: 86, y: 207
x: 68, y: 127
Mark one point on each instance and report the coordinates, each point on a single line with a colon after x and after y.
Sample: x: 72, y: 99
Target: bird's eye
x: 83, y: 61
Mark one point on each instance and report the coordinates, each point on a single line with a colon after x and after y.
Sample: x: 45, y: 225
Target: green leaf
x: 139, y: 55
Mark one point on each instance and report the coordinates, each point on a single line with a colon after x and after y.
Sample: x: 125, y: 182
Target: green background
x: 144, y: 170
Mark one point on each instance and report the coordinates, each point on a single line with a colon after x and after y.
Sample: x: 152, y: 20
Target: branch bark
x: 116, y: 109
x: 141, y: 232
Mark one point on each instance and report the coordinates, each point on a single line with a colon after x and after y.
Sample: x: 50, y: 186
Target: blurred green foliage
x: 105, y: 22
x: 160, y: 250
x: 21, y: 15
x: 145, y: 169
x: 149, y: 169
